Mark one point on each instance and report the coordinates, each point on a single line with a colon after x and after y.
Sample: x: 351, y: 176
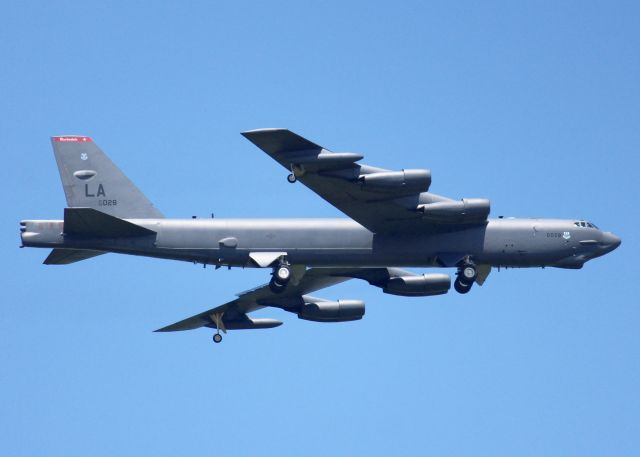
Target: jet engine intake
x: 394, y: 181
x: 332, y: 311
x: 418, y: 285
x: 466, y: 211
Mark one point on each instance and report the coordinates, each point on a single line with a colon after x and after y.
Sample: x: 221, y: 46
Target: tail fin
x: 91, y: 180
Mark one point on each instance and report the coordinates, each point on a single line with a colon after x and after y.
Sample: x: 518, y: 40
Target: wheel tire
x: 292, y: 178
x: 462, y: 287
x: 217, y: 338
x: 282, y: 274
x: 469, y: 273
x: 276, y: 287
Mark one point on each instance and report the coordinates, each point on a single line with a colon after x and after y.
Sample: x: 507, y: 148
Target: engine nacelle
x: 467, y: 210
x: 394, y: 181
x: 419, y: 285
x: 332, y: 311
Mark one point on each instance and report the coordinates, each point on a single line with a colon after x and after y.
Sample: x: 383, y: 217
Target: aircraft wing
x: 233, y: 315
x: 381, y: 200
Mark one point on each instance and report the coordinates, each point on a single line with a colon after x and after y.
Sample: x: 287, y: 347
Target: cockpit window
x: 585, y: 224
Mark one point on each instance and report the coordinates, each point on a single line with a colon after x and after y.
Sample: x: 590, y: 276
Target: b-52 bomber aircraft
x: 393, y: 222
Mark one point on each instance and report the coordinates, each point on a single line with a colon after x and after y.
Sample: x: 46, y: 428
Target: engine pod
x: 467, y: 210
x: 418, y: 285
x: 405, y: 181
x: 332, y: 311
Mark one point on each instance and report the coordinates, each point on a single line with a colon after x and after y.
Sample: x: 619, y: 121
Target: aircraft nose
x: 610, y: 241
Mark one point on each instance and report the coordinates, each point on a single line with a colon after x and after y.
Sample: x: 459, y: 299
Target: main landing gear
x: 466, y: 276
x: 280, y: 277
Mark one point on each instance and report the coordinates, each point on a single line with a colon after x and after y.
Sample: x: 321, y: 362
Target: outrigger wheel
x: 219, y: 323
x: 292, y: 178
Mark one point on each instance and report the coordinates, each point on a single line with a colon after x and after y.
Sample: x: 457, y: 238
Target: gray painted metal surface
x: 394, y: 222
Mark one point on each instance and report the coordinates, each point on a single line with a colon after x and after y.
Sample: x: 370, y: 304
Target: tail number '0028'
x: 107, y: 202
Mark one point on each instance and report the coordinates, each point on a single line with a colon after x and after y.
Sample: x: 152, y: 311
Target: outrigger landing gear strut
x: 217, y: 319
x: 296, y: 172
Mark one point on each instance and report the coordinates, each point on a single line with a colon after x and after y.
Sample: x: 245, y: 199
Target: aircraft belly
x: 308, y: 242
x: 231, y: 242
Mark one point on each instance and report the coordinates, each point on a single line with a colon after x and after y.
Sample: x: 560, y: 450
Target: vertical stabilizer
x: 91, y: 180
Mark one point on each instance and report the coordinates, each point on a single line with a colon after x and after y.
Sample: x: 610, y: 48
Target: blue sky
x: 531, y: 104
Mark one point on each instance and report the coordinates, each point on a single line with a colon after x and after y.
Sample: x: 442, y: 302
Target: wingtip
x: 168, y: 328
x: 248, y: 133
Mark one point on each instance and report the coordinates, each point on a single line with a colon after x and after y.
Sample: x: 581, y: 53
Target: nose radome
x: 610, y: 241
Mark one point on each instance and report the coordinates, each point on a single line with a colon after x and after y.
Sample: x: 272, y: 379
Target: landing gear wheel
x: 276, y: 287
x: 217, y: 338
x: 292, y: 178
x: 469, y: 273
x: 462, y: 287
x: 280, y: 277
x: 282, y: 274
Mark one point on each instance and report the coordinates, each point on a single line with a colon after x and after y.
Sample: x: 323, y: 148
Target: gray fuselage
x: 343, y: 242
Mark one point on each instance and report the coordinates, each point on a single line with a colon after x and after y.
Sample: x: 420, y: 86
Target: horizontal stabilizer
x: 67, y: 256
x: 89, y: 222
